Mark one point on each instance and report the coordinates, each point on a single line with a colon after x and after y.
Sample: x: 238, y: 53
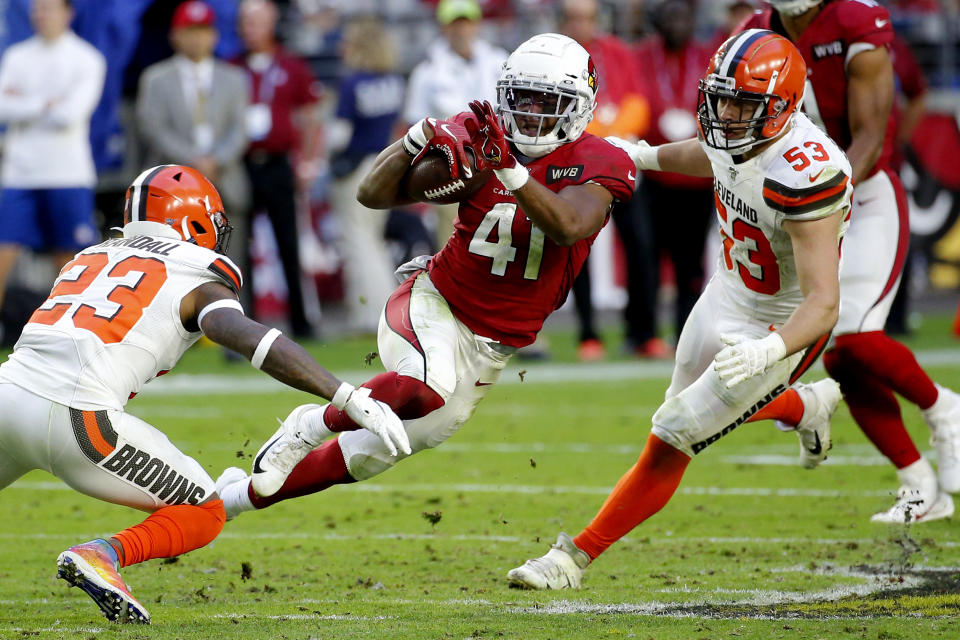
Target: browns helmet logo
x: 592, y: 78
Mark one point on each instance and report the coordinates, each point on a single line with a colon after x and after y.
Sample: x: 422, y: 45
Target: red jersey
x: 670, y: 83
x: 500, y: 274
x: 839, y: 30
x: 284, y: 86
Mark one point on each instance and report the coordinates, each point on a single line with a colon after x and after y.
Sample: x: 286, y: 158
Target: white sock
x: 920, y: 476
x: 235, y: 498
x: 311, y: 427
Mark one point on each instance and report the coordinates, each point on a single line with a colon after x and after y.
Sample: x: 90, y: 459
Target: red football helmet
x: 180, y: 198
x: 762, y: 73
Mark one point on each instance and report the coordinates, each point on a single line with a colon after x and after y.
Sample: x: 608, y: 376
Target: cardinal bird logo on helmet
x: 593, y: 79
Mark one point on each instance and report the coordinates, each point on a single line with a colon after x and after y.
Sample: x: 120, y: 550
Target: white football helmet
x: 793, y: 7
x: 546, y: 93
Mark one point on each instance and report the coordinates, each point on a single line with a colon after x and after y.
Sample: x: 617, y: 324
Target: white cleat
x: 820, y: 401
x: 561, y: 568
x: 943, y: 418
x: 285, y: 449
x: 912, y: 507
x: 232, y: 489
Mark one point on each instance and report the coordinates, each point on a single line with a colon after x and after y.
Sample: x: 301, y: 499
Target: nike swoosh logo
x: 630, y: 176
x: 814, y: 177
x: 256, y: 461
x: 817, y: 448
x: 467, y: 172
x: 881, y: 23
x: 482, y: 384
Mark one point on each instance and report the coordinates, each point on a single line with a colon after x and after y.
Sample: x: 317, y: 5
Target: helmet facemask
x: 537, y: 118
x: 756, y: 112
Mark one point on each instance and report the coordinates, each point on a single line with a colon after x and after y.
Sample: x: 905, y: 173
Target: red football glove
x: 451, y: 139
x: 487, y: 138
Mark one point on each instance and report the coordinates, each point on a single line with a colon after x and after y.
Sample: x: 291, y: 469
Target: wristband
x: 342, y: 395
x: 775, y: 346
x: 514, y: 177
x: 415, y: 139
x: 226, y: 303
x: 647, y: 157
x: 263, y: 347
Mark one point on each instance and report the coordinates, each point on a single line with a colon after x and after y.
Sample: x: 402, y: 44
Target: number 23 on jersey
x: 106, y: 302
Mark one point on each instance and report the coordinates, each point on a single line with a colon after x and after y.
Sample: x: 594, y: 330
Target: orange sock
x: 786, y: 407
x: 639, y: 494
x: 171, y: 531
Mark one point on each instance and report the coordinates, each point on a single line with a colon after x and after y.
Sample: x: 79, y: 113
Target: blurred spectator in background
x: 623, y: 112
x: 191, y: 109
x: 371, y: 97
x: 675, y: 63
x: 459, y: 67
x: 737, y: 11
x: 49, y: 86
x: 284, y: 131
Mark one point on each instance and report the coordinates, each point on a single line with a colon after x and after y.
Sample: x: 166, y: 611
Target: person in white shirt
x: 459, y: 67
x: 50, y: 85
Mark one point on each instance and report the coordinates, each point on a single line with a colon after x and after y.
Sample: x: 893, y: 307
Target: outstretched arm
x: 214, y: 309
x: 685, y: 157
x: 285, y: 360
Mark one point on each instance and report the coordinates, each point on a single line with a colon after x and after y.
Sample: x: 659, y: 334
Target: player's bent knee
x: 209, y: 522
x: 673, y: 423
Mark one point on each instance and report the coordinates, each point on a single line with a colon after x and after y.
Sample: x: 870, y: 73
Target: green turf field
x: 752, y: 546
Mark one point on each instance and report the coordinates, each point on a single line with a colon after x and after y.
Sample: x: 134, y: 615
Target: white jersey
x: 801, y: 176
x: 112, y: 321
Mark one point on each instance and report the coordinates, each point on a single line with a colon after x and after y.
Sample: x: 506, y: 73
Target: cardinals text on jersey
x: 802, y: 175
x: 112, y: 321
x: 499, y: 273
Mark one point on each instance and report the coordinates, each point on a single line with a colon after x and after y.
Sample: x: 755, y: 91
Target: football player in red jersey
x: 518, y: 243
x: 121, y: 313
x: 850, y: 91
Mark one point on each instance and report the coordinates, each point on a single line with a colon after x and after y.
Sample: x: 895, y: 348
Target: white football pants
x: 874, y: 251
x: 419, y: 337
x: 699, y: 409
x: 109, y: 455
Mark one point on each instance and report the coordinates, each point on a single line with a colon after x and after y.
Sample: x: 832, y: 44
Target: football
x: 428, y: 180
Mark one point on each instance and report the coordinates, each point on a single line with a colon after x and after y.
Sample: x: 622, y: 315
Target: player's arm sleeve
x: 231, y: 146
x: 617, y: 174
x: 226, y: 272
x: 83, y: 96
x: 829, y: 193
x: 864, y: 28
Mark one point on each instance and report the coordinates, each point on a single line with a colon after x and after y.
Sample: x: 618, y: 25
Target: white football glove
x: 374, y: 416
x: 742, y: 359
x: 643, y: 155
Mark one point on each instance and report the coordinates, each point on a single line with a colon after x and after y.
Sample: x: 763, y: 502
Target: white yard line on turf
x: 200, y: 384
x: 369, y: 487
x: 666, y: 539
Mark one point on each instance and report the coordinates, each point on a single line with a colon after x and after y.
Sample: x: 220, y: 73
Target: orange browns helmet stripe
x: 757, y: 65
x: 181, y: 198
